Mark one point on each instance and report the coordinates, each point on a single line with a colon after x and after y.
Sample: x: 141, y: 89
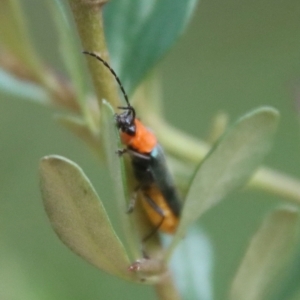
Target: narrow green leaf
x: 78, y: 216
x: 71, y: 55
x: 22, y: 89
x: 192, y: 264
x: 10, y: 23
x: 140, y: 32
x: 229, y: 164
x: 70, y: 51
x: 267, y: 256
x: 15, y: 37
x: 289, y: 284
x: 111, y: 142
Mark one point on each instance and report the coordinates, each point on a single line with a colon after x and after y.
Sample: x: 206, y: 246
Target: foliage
x: 139, y: 34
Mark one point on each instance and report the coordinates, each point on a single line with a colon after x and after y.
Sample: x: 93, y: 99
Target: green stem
x: 266, y: 179
x: 166, y: 290
x: 187, y: 148
x: 276, y: 183
x: 89, y: 21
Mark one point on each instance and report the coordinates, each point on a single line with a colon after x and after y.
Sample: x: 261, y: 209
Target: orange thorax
x: 143, y: 141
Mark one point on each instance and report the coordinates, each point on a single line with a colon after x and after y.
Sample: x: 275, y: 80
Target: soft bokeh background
x: 236, y: 55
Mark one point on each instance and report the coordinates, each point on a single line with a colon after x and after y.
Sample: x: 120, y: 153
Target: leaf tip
x: 270, y: 113
x: 52, y: 160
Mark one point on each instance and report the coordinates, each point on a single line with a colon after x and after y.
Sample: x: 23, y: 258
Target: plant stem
x: 88, y: 18
x: 276, y: 183
x: 89, y: 22
x: 189, y: 149
x: 166, y: 289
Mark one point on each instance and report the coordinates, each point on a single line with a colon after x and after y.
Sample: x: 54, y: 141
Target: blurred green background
x: 236, y: 55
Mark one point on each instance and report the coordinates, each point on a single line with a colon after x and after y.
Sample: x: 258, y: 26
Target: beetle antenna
x: 129, y: 107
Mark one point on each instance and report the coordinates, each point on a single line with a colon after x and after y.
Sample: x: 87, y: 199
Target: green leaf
x: 10, y: 85
x: 192, y: 264
x: 267, y: 256
x: 78, y: 216
x: 71, y: 55
x: 289, y: 285
x: 140, y: 32
x: 111, y: 142
x: 15, y: 37
x: 229, y: 165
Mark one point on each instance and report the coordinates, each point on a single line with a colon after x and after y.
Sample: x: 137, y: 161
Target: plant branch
x: 166, y: 290
x: 88, y: 18
x: 190, y: 149
x: 277, y: 183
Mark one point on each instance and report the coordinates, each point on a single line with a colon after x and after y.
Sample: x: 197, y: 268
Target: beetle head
x: 125, y: 121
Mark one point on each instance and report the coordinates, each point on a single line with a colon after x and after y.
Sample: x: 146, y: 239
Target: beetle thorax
x: 143, y: 141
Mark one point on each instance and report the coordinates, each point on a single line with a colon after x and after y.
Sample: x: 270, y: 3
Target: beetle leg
x: 160, y: 212
x: 120, y: 152
x: 131, y: 204
x: 133, y: 199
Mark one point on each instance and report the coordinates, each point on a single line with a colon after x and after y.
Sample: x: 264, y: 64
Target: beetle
x: 161, y: 203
